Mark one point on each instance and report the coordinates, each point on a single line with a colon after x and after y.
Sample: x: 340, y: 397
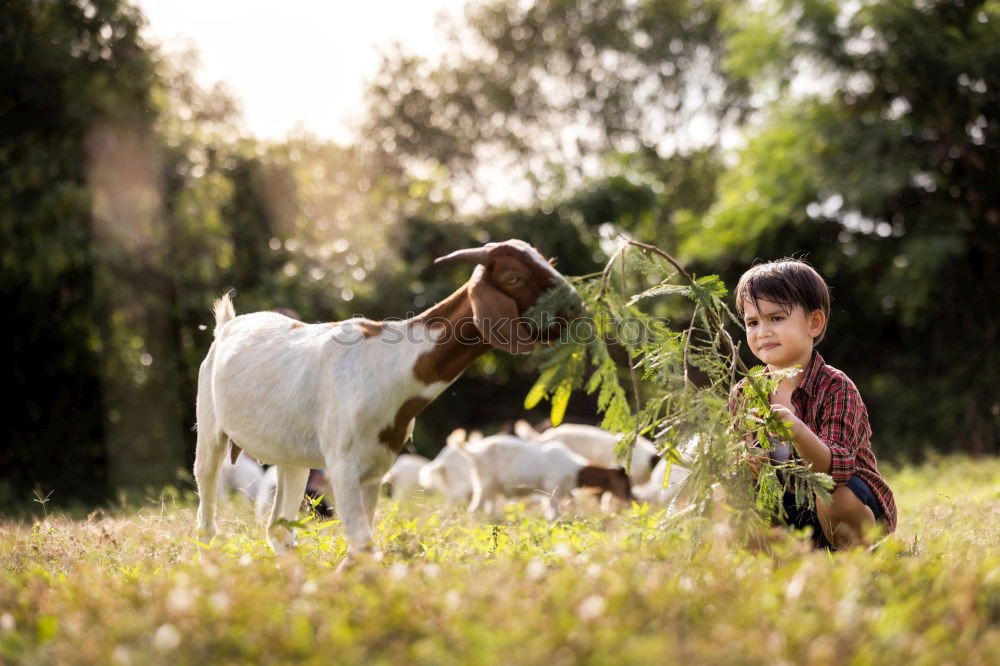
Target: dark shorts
x: 801, y: 517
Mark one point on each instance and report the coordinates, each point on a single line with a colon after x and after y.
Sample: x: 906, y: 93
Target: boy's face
x: 781, y: 336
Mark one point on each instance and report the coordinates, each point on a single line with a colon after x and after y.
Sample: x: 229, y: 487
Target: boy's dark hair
x: 787, y: 282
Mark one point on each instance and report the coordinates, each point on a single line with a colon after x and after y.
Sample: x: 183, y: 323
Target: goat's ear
x: 495, y: 315
x: 456, y: 438
x: 524, y: 430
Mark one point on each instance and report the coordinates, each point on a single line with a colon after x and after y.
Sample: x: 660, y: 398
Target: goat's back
x: 275, y: 383
x: 510, y: 461
x: 598, y: 446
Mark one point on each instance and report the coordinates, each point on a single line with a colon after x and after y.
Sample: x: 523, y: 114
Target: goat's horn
x: 472, y: 255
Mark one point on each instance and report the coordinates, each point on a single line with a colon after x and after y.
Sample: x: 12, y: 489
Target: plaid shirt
x: 828, y: 402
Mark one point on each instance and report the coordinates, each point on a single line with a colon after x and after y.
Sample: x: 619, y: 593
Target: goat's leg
x: 352, y: 509
x: 370, y: 493
x: 481, y: 494
x: 550, y: 504
x: 287, y: 499
x: 209, y: 455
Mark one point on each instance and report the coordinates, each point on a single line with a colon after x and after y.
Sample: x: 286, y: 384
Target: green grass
x: 132, y: 587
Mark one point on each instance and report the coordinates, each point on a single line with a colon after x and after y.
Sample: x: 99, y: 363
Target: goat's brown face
x: 510, y: 279
x: 520, y: 280
x: 621, y: 486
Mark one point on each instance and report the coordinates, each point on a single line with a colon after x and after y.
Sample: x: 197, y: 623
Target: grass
x: 130, y: 586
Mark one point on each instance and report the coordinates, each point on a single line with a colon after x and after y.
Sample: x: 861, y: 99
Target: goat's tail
x: 224, y: 311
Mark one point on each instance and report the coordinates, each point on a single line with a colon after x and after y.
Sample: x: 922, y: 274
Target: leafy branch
x: 681, y: 380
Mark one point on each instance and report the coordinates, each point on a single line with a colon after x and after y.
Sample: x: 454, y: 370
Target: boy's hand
x: 785, y: 415
x: 755, y: 457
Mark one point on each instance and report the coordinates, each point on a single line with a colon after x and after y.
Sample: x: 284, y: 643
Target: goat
x: 663, y: 489
x: 450, y: 473
x: 317, y: 488
x: 342, y: 397
x: 508, y: 465
x: 243, y: 476
x: 596, y: 445
x: 405, y: 472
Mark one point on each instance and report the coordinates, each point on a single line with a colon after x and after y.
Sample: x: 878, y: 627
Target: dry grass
x: 130, y: 587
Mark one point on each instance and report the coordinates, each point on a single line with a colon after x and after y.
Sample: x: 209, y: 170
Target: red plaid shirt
x: 829, y: 403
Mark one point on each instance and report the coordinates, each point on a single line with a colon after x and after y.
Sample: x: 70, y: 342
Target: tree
x: 64, y: 66
x: 540, y: 93
x: 869, y: 129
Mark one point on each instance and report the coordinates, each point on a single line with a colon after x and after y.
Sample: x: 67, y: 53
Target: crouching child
x: 785, y: 306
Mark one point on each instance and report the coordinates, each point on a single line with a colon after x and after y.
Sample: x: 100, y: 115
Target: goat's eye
x: 512, y: 279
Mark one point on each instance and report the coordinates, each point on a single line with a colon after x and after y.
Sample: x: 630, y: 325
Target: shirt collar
x: 810, y: 382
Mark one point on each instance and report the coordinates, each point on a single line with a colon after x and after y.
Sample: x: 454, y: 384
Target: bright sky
x: 297, y: 63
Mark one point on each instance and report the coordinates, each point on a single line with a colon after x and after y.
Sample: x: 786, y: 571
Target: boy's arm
x: 842, y: 425
x: 809, y: 446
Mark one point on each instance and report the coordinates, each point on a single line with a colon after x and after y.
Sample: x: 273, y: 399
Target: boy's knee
x: 846, y: 507
x: 845, y: 518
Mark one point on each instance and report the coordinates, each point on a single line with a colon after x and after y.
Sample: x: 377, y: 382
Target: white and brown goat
x: 342, y: 397
x: 508, y: 466
x: 596, y: 445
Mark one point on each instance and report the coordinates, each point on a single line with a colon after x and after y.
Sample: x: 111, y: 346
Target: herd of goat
x: 343, y: 396
x: 552, y: 467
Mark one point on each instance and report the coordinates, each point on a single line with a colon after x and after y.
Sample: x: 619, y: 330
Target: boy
x: 785, y: 305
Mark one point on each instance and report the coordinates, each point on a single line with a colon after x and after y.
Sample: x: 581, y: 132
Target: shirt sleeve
x: 842, y: 424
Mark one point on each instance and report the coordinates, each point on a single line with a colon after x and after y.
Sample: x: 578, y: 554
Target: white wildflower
x: 166, y: 638
x: 592, y: 607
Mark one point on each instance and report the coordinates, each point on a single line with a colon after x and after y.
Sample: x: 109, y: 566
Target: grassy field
x: 130, y: 586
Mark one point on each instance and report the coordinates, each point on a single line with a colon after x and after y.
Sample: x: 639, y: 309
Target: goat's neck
x: 460, y: 345
x: 439, y: 364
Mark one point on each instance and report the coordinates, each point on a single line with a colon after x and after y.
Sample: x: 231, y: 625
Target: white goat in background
x: 243, y: 476
x: 450, y: 473
x: 663, y: 488
x: 596, y: 445
x: 404, y: 475
x: 506, y: 465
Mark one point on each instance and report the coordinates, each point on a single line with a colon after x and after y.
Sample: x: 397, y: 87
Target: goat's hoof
x: 281, y: 547
x: 281, y: 543
x: 347, y: 563
x: 356, y: 557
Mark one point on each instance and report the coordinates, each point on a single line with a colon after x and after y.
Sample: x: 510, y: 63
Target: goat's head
x: 518, y: 298
x: 610, y: 479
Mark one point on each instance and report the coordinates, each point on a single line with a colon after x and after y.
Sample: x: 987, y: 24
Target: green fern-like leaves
x: 611, y: 398
x: 562, y: 372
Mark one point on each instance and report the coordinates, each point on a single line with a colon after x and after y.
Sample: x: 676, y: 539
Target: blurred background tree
x: 862, y: 136
x: 66, y: 69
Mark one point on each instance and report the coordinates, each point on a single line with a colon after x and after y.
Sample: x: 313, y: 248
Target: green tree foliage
x: 130, y: 203
x: 130, y: 199
x: 549, y: 87
x: 63, y: 66
x: 868, y: 137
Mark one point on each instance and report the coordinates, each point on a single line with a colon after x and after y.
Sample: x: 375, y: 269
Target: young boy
x: 785, y: 305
